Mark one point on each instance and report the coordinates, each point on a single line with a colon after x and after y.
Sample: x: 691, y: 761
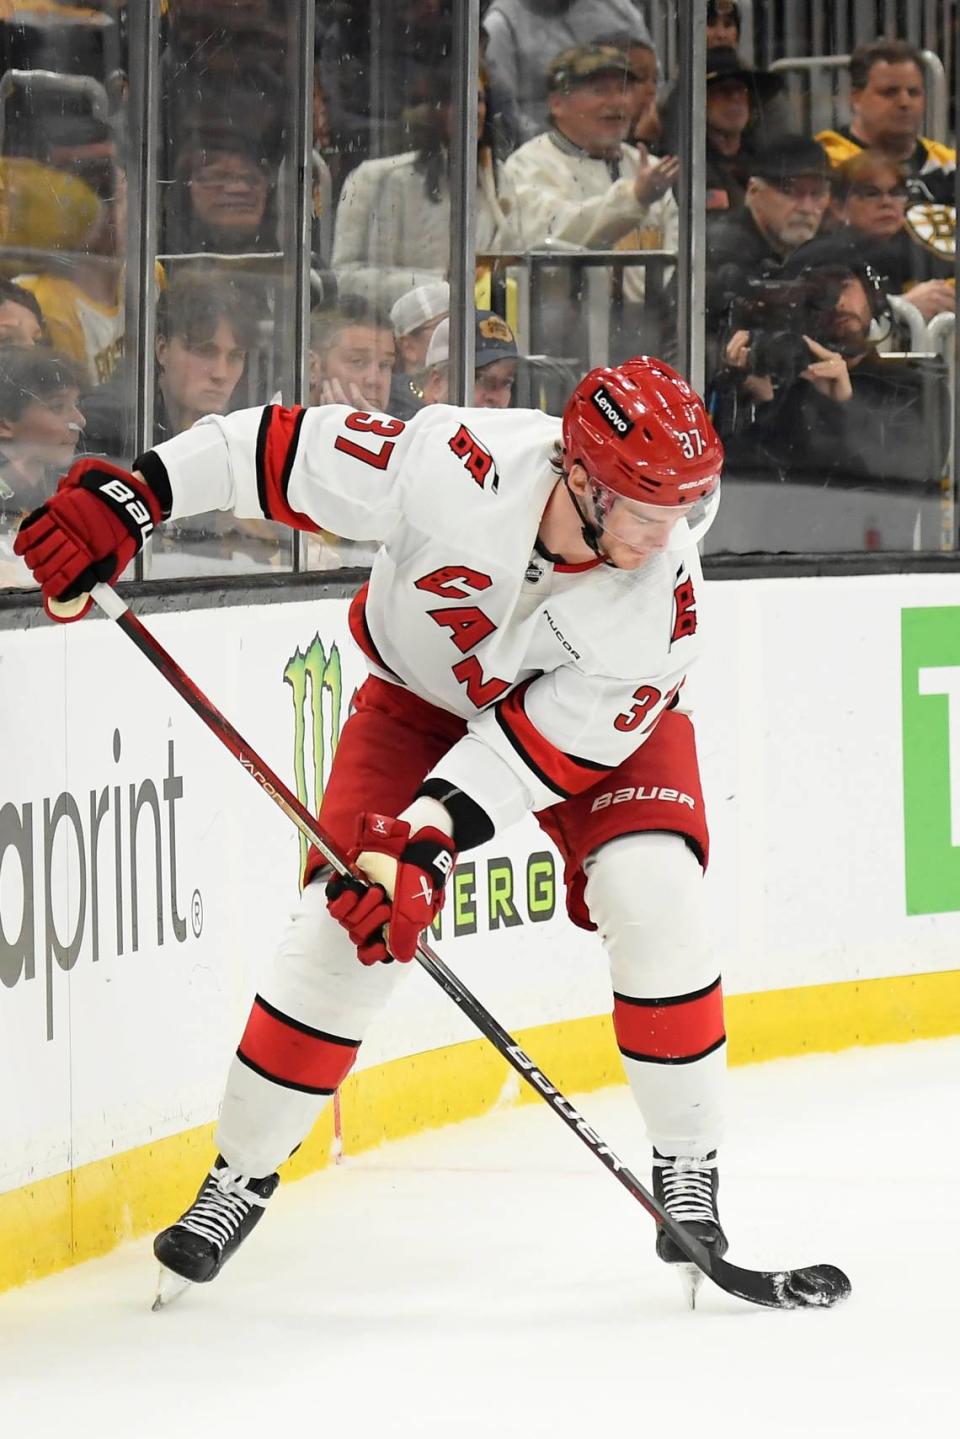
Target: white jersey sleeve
x: 324, y: 467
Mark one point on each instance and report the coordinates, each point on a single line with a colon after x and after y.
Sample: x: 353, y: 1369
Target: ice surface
x: 493, y: 1279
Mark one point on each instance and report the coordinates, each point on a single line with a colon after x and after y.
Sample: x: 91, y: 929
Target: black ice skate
x: 195, y: 1249
x: 687, y: 1189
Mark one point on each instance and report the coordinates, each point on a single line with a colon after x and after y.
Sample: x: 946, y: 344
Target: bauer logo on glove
x: 407, y: 873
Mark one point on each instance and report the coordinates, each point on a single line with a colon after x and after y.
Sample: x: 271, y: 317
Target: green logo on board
x: 930, y: 649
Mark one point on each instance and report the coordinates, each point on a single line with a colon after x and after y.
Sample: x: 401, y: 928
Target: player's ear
x: 577, y: 478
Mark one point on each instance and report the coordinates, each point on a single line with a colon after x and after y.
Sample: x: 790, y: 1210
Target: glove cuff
x: 432, y: 851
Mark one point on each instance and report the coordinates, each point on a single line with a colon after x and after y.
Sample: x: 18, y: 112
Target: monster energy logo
x: 317, y: 671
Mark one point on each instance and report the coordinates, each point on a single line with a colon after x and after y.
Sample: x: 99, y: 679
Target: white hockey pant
x: 644, y: 895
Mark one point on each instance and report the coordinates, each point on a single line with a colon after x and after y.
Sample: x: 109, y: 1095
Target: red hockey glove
x: 386, y: 918
x: 89, y: 530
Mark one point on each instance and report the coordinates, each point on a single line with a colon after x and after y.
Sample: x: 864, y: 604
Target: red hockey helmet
x: 639, y: 430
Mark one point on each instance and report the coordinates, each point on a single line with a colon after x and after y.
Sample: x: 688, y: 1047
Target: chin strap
x: 590, y: 530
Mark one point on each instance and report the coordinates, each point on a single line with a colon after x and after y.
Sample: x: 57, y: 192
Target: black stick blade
x: 819, y: 1286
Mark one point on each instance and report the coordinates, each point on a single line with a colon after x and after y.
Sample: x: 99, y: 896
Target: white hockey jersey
x: 561, y: 671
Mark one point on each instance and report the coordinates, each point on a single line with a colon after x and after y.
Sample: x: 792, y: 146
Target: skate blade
x: 170, y: 1286
x: 690, y: 1280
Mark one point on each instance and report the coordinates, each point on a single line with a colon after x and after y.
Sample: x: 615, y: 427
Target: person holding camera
x: 805, y: 395
x: 787, y: 195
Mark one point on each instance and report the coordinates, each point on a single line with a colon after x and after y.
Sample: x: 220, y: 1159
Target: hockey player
x: 528, y: 623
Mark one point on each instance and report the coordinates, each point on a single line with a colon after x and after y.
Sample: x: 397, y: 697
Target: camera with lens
x: 778, y: 314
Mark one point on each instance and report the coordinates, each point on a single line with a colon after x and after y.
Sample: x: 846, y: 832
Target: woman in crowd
x: 223, y: 196
x: 878, y: 224
x: 393, y: 221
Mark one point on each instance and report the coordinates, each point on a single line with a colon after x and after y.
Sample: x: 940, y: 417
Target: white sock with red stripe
x: 644, y: 895
x: 301, y: 1038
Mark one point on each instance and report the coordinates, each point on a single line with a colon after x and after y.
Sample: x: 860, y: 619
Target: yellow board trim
x: 54, y: 1223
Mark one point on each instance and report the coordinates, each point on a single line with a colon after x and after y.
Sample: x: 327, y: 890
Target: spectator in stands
x: 83, y: 308
x: 645, y: 125
x: 393, y: 221
x: 205, y: 331
x: 415, y: 317
x: 723, y: 23
x: 520, y: 33
x: 495, y: 361
x: 829, y: 408
x: 580, y: 181
x: 735, y: 100
x: 887, y: 100
x: 21, y: 322
x: 223, y: 196
x: 352, y: 354
x: 206, y: 328
x: 875, y: 225
x: 735, y: 94
x: 40, y: 427
x: 43, y: 209
x: 787, y: 195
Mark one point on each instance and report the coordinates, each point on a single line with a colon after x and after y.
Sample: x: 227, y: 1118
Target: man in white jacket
x: 579, y: 181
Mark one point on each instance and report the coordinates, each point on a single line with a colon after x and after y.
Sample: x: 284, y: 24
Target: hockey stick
x: 817, y: 1285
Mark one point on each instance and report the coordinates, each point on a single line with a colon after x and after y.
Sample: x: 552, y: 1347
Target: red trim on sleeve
x: 566, y: 773
x: 276, y: 457
x: 670, y: 1031
x: 292, y: 1054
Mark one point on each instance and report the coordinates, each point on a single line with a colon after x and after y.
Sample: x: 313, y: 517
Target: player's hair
x: 16, y: 295
x: 29, y: 373
x: 192, y: 306
x: 327, y: 321
x: 891, y: 52
x: 556, y: 460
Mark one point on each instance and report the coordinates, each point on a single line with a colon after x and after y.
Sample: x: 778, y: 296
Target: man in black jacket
x: 839, y: 412
x: 788, y: 191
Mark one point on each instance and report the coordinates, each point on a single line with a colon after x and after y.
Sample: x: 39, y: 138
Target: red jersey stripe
x: 567, y: 774
x: 670, y: 1031
x: 357, y: 624
x: 276, y: 450
x: 292, y: 1054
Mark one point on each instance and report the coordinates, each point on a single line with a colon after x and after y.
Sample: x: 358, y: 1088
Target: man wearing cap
x: 786, y: 199
x: 495, y: 361
x: 520, y: 33
x: 415, y: 317
x: 580, y: 181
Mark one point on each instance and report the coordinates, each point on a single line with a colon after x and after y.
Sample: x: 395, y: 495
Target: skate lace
x: 221, y: 1207
x: 688, y: 1189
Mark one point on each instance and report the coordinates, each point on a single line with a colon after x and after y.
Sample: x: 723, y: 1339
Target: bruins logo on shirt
x: 935, y: 227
